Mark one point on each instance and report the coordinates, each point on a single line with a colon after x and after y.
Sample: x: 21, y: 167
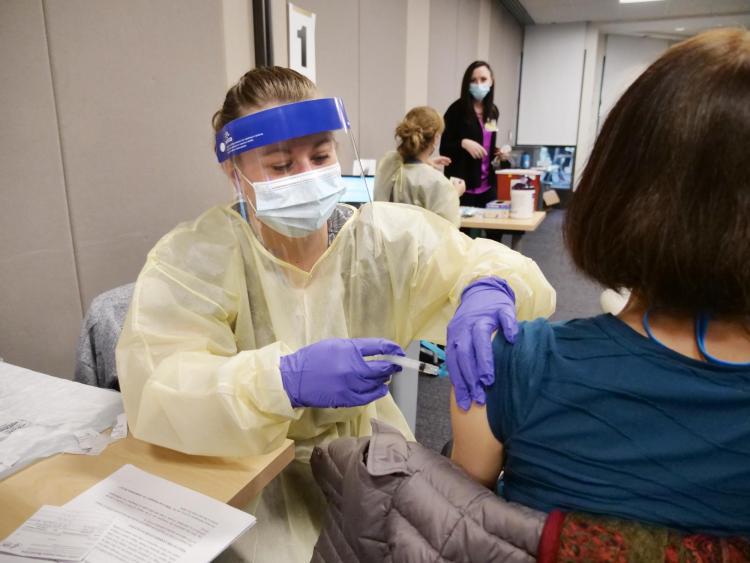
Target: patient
x: 644, y: 415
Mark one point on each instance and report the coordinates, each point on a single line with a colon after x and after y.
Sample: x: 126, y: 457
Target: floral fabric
x: 575, y: 537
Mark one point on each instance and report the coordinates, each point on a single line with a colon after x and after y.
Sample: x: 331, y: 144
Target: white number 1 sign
x: 302, y: 41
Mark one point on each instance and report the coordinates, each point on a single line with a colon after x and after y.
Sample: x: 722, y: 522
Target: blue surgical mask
x: 298, y: 205
x: 479, y: 91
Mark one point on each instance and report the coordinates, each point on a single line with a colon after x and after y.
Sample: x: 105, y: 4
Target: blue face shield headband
x: 279, y: 124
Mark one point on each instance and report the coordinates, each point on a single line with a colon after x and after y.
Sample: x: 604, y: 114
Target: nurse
x: 254, y: 323
x: 471, y: 133
x: 410, y: 175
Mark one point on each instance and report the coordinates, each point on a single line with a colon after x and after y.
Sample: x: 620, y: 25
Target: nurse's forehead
x: 311, y: 142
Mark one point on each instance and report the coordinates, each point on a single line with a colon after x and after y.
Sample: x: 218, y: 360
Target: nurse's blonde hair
x: 417, y: 131
x: 262, y: 87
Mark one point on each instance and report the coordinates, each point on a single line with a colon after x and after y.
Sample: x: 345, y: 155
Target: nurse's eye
x: 321, y: 158
x: 281, y: 167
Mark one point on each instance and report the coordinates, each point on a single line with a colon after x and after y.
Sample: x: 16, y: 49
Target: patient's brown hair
x: 663, y: 206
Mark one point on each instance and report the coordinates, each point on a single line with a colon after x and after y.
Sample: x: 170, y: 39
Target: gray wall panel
x: 506, y: 44
x: 136, y: 85
x: 467, y: 27
x: 444, y: 78
x: 279, y: 25
x: 40, y: 310
x: 382, y: 73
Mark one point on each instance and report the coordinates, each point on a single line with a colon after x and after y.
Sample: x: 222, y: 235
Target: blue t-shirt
x: 595, y: 417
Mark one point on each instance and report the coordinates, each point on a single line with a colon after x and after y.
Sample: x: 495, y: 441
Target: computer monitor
x: 557, y: 162
x: 356, y: 193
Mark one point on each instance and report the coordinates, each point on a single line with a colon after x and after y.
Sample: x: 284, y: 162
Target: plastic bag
x: 41, y: 415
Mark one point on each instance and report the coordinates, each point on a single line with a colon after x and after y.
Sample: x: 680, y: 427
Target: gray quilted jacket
x: 95, y: 356
x: 390, y: 500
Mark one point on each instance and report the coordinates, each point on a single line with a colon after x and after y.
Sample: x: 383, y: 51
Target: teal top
x: 596, y: 417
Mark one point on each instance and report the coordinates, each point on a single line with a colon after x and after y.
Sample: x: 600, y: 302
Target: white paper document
x: 158, y: 520
x: 58, y: 533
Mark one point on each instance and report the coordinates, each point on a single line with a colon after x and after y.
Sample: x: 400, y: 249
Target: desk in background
x: 515, y: 227
x: 58, y: 479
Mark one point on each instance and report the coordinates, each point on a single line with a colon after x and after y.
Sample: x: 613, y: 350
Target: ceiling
x: 671, y: 19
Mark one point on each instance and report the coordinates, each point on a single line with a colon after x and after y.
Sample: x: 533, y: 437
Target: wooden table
x: 516, y: 227
x: 58, y: 479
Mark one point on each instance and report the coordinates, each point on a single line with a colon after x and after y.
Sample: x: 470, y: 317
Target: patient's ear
x: 475, y: 447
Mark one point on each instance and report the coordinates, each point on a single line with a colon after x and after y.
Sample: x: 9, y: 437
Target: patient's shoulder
x: 589, y: 332
x: 544, y: 349
x: 542, y: 353
x: 588, y: 328
x: 534, y: 338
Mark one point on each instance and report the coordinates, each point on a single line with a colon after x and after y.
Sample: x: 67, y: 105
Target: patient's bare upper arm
x: 475, y: 447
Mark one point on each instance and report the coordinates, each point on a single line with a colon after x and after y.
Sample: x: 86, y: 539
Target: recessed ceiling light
x: 637, y: 1
x: 679, y: 29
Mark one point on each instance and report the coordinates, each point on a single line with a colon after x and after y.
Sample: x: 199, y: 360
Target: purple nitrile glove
x: 334, y: 373
x: 487, y: 305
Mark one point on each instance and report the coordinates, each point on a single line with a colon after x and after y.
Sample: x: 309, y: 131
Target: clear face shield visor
x: 283, y: 164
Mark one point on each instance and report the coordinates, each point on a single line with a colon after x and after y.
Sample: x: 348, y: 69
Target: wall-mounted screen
x: 557, y: 163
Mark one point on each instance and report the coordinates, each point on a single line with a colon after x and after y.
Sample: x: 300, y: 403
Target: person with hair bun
x: 643, y: 415
x: 410, y: 175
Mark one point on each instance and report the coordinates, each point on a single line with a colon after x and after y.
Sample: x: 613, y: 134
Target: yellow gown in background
x: 416, y: 183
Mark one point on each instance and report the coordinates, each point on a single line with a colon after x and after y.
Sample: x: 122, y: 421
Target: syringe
x: 404, y: 362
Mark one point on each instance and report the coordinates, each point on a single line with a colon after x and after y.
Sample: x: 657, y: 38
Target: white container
x: 521, y: 203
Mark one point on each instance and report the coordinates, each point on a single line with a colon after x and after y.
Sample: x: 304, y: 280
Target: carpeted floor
x: 576, y: 297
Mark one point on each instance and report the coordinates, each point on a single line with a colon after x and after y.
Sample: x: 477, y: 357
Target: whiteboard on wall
x: 302, y: 41
x: 551, y: 80
x: 627, y: 58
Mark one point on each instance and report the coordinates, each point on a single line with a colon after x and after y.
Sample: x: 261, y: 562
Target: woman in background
x: 470, y: 135
x: 410, y: 175
x: 643, y: 415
